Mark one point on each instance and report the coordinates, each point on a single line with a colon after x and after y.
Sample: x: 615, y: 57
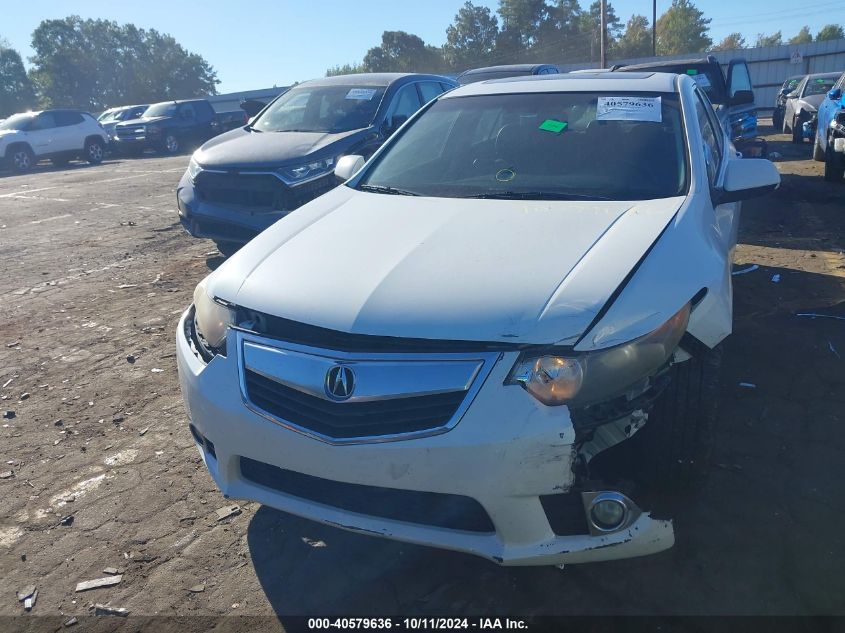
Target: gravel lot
x: 95, y: 272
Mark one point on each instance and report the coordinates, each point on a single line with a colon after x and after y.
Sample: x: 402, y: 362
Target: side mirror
x: 747, y: 178
x: 835, y: 94
x: 347, y: 166
x: 741, y: 97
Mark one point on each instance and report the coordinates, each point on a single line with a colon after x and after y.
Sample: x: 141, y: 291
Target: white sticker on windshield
x: 702, y: 80
x: 629, y: 109
x: 361, y: 94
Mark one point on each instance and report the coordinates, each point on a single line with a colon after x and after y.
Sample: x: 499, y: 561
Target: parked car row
x: 813, y: 107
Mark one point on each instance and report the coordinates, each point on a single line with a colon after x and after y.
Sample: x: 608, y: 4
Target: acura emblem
x: 340, y: 382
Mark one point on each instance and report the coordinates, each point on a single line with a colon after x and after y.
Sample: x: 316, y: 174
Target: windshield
x: 709, y: 77
x: 539, y: 146
x: 108, y: 115
x: 791, y: 84
x: 335, y: 108
x: 819, y: 86
x: 160, y: 109
x: 17, y: 121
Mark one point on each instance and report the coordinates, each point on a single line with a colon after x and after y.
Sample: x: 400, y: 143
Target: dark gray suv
x: 239, y: 183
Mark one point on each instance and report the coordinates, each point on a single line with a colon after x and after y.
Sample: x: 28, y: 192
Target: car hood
x: 143, y: 121
x: 242, y: 148
x: 813, y: 101
x: 6, y: 133
x: 437, y: 268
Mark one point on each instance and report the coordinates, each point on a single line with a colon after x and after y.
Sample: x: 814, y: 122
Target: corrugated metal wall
x: 769, y: 65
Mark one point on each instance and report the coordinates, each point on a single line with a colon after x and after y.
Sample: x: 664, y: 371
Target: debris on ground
x: 156, y: 370
x: 25, y: 395
x: 106, y: 581
x: 227, y: 511
x: 113, y: 571
x: 16, y: 343
x: 775, y: 279
x: 312, y: 542
x: 26, y: 592
x: 66, y: 520
x: 29, y: 602
x: 8, y: 415
x: 748, y: 385
x: 746, y: 270
x: 102, y: 609
x: 71, y: 622
x: 143, y: 431
x: 6, y: 474
x: 130, y: 359
x: 197, y: 588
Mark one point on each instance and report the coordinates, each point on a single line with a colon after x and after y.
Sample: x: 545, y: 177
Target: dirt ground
x: 95, y: 273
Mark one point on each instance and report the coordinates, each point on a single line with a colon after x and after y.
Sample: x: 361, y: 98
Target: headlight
x: 211, y: 318
x: 193, y: 169
x: 592, y: 377
x: 314, y: 169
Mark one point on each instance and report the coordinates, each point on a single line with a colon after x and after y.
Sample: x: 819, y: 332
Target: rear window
x: 709, y: 77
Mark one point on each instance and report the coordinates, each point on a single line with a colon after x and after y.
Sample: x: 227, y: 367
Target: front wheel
x: 833, y: 167
x: 21, y: 159
x: 227, y: 249
x: 798, y: 129
x: 677, y: 441
x: 777, y: 119
x: 94, y: 151
x: 818, y: 152
x: 170, y: 144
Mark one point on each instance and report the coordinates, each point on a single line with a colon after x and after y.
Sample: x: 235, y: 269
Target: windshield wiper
x: 393, y: 191
x: 535, y: 195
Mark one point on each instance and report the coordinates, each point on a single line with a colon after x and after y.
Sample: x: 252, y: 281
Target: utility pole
x: 603, y: 54
x: 654, y: 28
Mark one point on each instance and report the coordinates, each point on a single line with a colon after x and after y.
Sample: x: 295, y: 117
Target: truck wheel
x: 227, y: 249
x: 94, y: 151
x: 833, y: 167
x: 798, y: 129
x: 170, y: 145
x: 677, y: 441
x: 20, y: 157
x: 818, y: 152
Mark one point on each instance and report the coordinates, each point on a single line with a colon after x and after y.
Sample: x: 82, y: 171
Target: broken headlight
x: 588, y: 378
x: 212, y: 319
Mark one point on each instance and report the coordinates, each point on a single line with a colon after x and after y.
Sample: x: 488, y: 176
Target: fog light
x: 608, y: 514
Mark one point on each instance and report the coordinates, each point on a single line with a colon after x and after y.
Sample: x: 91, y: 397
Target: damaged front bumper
x: 498, y: 484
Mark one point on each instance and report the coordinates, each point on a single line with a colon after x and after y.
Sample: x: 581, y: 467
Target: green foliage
x: 346, y: 69
x: 96, y: 64
x: 731, y: 42
x: 636, y: 41
x: 804, y: 36
x: 403, y: 52
x: 775, y: 39
x: 16, y: 93
x: 830, y: 32
x: 683, y: 29
x: 471, y: 38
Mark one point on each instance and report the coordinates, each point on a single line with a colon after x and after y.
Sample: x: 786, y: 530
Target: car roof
x: 371, y: 79
x: 506, y: 67
x: 825, y: 75
x: 599, y: 82
x: 669, y: 62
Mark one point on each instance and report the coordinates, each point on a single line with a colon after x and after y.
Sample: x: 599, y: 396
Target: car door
x: 69, y: 135
x: 742, y: 109
x: 40, y: 133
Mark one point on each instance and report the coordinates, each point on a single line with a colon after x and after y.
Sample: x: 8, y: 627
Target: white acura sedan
x: 499, y: 336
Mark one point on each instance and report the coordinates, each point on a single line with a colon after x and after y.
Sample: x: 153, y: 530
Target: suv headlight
x: 588, y: 378
x: 309, y: 170
x: 194, y: 169
x: 211, y: 320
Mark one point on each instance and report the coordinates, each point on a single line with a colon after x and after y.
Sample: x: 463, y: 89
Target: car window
x: 711, y: 136
x: 44, y: 121
x: 330, y: 108
x: 841, y: 82
x: 64, y: 119
x: 405, y: 103
x: 549, y: 146
x: 740, y: 80
x: 186, y: 111
x: 167, y: 108
x: 429, y: 90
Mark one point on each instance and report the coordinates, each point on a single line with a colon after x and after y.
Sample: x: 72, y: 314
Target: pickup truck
x: 168, y: 127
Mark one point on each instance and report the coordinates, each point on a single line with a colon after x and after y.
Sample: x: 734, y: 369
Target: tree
x: 775, y: 39
x: 830, y: 32
x: 636, y: 41
x: 559, y: 35
x: 683, y: 29
x: 346, y: 69
x: 16, y: 94
x: 804, y: 36
x: 522, y: 19
x: 731, y: 42
x: 471, y: 38
x: 403, y: 52
x: 95, y: 64
x: 591, y: 30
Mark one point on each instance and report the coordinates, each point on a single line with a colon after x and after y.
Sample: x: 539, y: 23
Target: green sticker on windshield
x: 692, y: 71
x: 550, y: 125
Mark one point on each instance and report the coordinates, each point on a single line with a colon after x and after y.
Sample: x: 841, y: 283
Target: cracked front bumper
x: 506, y: 453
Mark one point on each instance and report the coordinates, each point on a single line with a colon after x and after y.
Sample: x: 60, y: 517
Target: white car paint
x: 54, y: 141
x: 487, y: 271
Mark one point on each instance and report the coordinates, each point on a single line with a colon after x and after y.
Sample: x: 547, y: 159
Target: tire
x: 170, y: 144
x: 227, y: 249
x: 676, y: 444
x: 833, y: 167
x: 777, y: 119
x: 94, y: 151
x: 818, y: 152
x: 21, y: 158
x: 798, y: 129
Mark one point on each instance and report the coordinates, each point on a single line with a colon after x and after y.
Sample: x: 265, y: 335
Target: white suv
x: 60, y: 135
x: 498, y: 337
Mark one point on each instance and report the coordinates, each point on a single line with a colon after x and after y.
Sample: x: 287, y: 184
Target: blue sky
x: 263, y: 43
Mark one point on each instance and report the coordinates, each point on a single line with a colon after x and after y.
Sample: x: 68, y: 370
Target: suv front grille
x: 455, y: 512
x: 262, y: 192
x: 344, y: 420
